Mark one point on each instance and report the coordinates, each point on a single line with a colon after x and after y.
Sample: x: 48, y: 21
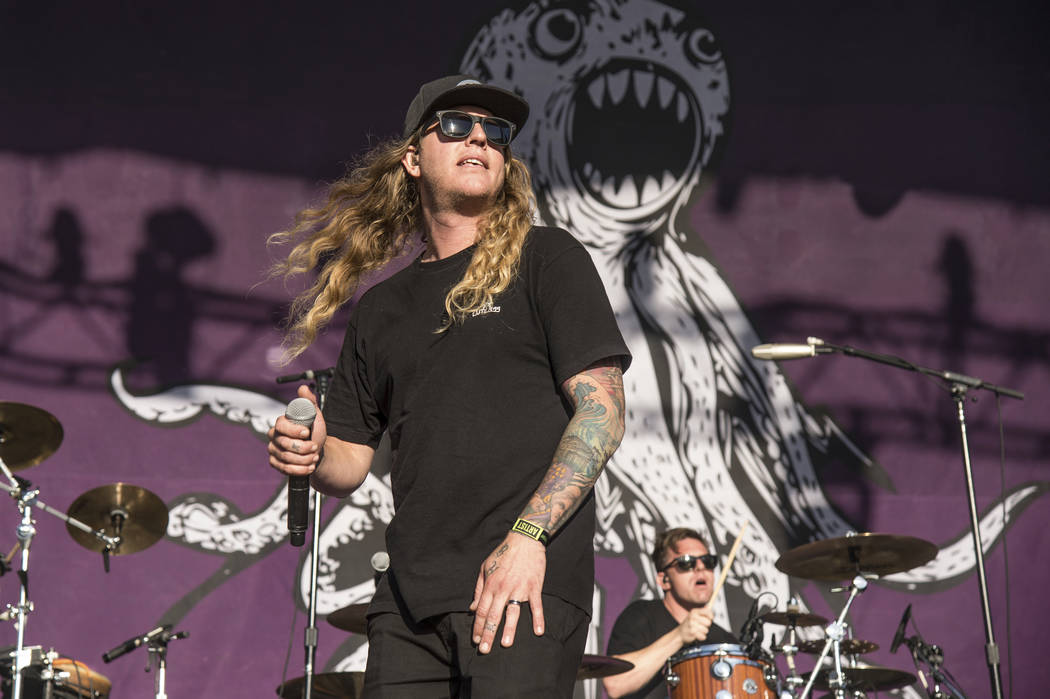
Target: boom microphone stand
x: 321, y: 379
x: 959, y: 385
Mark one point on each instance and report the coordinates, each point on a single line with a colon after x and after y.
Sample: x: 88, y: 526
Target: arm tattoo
x: 590, y: 438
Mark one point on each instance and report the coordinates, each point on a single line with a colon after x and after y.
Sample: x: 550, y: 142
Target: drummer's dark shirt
x: 640, y: 624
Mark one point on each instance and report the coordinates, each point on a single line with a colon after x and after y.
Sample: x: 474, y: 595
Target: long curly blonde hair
x: 371, y: 216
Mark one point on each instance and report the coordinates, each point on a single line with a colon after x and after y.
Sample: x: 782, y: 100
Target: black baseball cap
x: 454, y: 90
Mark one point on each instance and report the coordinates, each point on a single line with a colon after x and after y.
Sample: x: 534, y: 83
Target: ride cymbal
x: 849, y: 646
x: 847, y: 556
x: 793, y: 619
x: 28, y: 435
x: 595, y: 666
x: 868, y: 679
x: 331, y: 685
x: 350, y: 618
x: 133, y: 513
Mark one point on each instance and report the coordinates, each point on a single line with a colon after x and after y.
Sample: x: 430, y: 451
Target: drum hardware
x: 332, y: 685
x: 28, y: 435
x: 849, y: 646
x: 863, y: 680
x: 792, y: 618
x: 944, y: 685
x: 156, y: 641
x: 835, y: 633
x: 958, y: 386
x: 593, y: 667
x: 51, y: 675
x: 25, y: 496
x: 832, y: 560
x: 351, y: 618
x: 719, y: 671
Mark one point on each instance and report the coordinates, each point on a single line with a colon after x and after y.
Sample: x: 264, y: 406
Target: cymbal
x: 350, y: 618
x: 595, y: 666
x: 849, y: 646
x: 844, y: 557
x: 792, y: 619
x: 28, y: 435
x: 331, y: 685
x: 133, y: 513
x: 868, y: 679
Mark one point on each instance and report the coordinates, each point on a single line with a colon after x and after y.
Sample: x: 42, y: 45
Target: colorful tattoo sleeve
x: 590, y: 438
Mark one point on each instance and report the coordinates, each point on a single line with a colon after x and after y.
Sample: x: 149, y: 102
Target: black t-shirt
x: 474, y: 414
x: 642, y: 623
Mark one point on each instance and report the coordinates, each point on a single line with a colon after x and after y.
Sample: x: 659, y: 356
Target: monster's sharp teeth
x: 665, y: 90
x: 627, y: 197
x: 587, y: 168
x: 667, y: 181
x: 643, y: 86
x: 650, y: 190
x: 618, y: 85
x: 596, y: 181
x: 609, y: 189
x: 683, y: 107
x: 597, y: 90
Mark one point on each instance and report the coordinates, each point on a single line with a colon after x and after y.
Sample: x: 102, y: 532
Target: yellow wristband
x: 533, y: 531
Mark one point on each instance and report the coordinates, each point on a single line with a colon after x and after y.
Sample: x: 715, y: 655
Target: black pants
x: 436, y: 658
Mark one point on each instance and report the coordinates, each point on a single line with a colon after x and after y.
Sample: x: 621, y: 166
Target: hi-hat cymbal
x: 331, y: 685
x: 849, y: 646
x: 28, y: 435
x: 868, y: 679
x: 793, y: 619
x: 595, y: 666
x: 350, y: 618
x: 135, y: 514
x: 846, y: 556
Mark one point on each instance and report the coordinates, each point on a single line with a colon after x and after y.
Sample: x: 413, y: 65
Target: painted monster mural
x: 631, y: 105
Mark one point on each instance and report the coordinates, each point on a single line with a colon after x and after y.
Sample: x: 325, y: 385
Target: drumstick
x: 727, y: 566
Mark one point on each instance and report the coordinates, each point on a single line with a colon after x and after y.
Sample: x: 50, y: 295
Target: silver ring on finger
x: 515, y: 601
x: 295, y: 445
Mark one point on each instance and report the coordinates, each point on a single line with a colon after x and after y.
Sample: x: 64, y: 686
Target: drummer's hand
x: 514, y: 571
x: 294, y: 449
x: 696, y: 625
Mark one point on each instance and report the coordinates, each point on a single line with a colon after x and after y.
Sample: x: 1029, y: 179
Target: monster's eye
x: 556, y: 33
x: 701, y: 47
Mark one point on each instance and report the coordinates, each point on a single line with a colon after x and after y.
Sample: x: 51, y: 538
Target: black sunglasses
x: 686, y: 563
x: 456, y: 124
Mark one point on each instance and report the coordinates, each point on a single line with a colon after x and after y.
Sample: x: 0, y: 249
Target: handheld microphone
x: 133, y: 643
x: 301, y: 411
x: 898, y: 637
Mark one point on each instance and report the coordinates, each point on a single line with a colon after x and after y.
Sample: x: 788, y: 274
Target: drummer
x: 648, y: 632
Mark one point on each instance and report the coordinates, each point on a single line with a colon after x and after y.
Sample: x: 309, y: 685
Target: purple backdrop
x: 876, y: 183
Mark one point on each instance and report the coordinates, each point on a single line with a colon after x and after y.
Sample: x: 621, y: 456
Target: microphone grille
x: 301, y: 411
x: 380, y: 561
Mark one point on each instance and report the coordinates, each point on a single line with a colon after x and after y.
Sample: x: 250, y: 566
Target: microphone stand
x: 321, y: 379
x: 960, y: 384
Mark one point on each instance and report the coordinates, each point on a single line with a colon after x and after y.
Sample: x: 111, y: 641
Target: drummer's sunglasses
x: 686, y: 563
x: 458, y: 125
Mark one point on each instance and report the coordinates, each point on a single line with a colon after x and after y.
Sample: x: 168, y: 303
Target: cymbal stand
x: 836, y: 631
x: 26, y: 498
x: 158, y: 655
x: 789, y: 647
